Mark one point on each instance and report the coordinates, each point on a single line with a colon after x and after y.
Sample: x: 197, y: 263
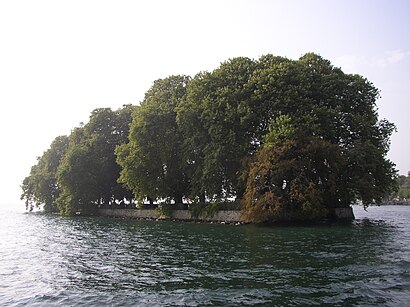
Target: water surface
x: 53, y: 260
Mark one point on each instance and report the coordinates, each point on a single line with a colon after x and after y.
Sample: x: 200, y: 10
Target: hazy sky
x: 59, y: 60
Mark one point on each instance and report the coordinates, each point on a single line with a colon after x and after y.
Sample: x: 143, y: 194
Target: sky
x: 59, y: 60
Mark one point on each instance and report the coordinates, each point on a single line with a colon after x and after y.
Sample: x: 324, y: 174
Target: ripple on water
x: 51, y: 260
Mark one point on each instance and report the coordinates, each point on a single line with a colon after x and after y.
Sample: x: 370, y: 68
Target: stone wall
x: 226, y: 216
x: 343, y: 213
x: 130, y: 213
x: 183, y: 215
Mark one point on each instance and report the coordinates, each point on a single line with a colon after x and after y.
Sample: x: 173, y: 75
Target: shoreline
x: 222, y: 216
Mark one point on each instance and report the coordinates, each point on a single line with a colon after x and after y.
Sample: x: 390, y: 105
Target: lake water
x: 51, y: 260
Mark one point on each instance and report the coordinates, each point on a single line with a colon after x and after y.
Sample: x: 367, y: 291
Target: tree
x: 88, y: 173
x: 40, y: 188
x: 336, y: 153
x: 78, y: 179
x: 152, y: 163
x: 214, y: 120
x: 403, y: 184
x: 292, y: 173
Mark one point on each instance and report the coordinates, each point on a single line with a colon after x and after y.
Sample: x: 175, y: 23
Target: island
x: 275, y: 138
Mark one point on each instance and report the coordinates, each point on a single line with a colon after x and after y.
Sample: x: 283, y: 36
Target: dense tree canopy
x: 213, y: 118
x: 403, y: 192
x: 88, y: 172
x: 79, y: 172
x: 152, y: 164
x: 40, y: 188
x: 279, y: 135
x: 336, y: 151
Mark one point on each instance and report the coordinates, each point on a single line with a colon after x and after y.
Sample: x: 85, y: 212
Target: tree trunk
x: 151, y: 201
x: 202, y: 198
x: 178, y: 199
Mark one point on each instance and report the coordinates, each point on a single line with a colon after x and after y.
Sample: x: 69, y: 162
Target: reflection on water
x: 92, y: 261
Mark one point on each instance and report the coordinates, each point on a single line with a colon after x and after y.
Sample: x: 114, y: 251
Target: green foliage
x: 78, y: 179
x: 88, y: 172
x: 79, y: 172
x: 296, y: 176
x: 201, y: 209
x: 214, y: 118
x: 326, y: 147
x: 152, y: 163
x: 196, y: 209
x: 211, y: 209
x: 40, y: 188
x: 403, y: 188
x: 282, y: 135
x: 404, y: 193
x: 165, y: 210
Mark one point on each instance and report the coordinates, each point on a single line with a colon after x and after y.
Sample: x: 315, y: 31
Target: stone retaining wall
x: 343, y: 213
x: 227, y: 216
x: 183, y: 215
